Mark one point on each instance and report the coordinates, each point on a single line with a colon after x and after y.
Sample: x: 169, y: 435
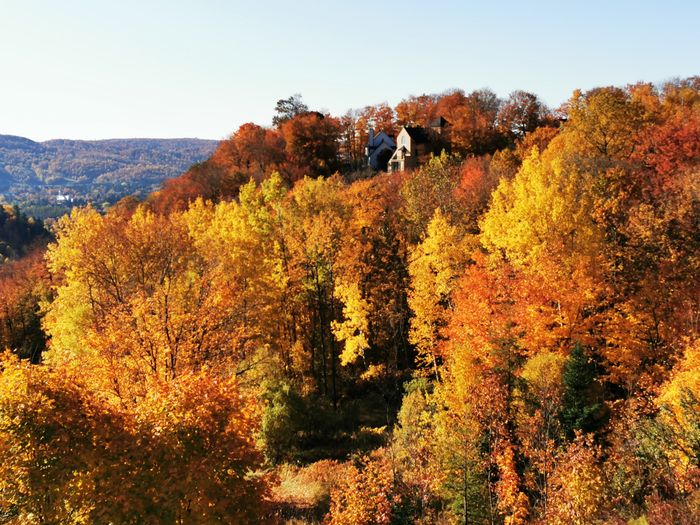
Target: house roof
x: 384, y: 137
x: 379, y: 140
x: 382, y: 132
x: 418, y: 134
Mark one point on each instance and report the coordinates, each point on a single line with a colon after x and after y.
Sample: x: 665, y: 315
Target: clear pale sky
x: 101, y: 69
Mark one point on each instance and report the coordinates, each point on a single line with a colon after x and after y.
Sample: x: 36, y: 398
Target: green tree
x: 288, y: 108
x: 581, y: 401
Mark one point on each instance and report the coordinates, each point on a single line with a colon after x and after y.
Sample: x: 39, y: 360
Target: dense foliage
x: 507, y: 335
x: 19, y: 234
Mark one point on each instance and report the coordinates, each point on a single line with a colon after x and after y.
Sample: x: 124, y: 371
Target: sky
x: 97, y: 69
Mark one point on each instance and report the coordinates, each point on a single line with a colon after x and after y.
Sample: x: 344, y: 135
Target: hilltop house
x: 379, y: 150
x: 416, y: 144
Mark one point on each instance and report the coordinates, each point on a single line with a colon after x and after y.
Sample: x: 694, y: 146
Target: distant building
x: 379, y: 150
x: 416, y: 144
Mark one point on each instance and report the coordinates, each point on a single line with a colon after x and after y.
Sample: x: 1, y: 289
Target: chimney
x: 371, y: 137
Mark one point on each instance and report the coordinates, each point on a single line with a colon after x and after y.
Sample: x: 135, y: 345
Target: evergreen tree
x: 581, y: 406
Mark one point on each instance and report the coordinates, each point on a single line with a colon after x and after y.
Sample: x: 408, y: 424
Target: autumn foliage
x: 183, y: 454
x: 506, y: 335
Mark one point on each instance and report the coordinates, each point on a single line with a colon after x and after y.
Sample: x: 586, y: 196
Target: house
x: 63, y: 198
x: 379, y: 150
x: 417, y: 144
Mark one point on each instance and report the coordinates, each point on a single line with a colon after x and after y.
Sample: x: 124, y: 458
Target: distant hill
x: 78, y: 167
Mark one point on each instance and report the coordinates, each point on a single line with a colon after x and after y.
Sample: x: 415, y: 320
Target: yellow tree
x: 319, y: 218
x: 134, y: 301
x: 434, y: 266
x: 544, y: 209
x: 353, y: 330
x: 366, y: 496
x: 245, y: 243
x: 541, y: 222
x: 578, y: 485
x: 430, y: 187
x: 153, y: 334
x: 606, y: 120
x: 416, y: 443
x: 537, y: 404
x: 372, y: 276
x: 679, y: 401
x: 184, y: 454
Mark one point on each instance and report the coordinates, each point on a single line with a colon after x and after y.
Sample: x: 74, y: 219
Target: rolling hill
x: 33, y: 171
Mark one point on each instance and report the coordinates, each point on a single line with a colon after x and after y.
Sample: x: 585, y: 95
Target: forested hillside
x: 19, y: 233
x: 507, y: 335
x: 33, y: 173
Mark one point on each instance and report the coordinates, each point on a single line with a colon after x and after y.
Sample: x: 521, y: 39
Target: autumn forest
x: 507, y: 334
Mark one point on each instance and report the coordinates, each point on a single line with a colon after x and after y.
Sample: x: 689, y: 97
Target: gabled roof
x: 382, y: 132
x: 384, y: 137
x: 419, y: 134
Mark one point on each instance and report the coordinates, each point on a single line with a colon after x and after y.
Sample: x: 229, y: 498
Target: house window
x: 404, y: 141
